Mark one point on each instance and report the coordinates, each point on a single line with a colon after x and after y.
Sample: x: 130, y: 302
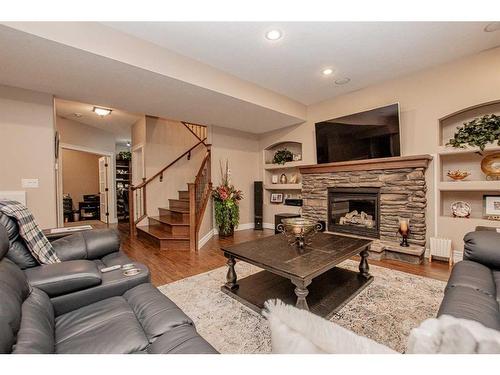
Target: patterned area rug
x: 386, y: 311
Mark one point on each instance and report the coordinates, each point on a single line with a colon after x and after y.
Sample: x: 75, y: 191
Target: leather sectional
x: 473, y: 289
x: 72, y: 307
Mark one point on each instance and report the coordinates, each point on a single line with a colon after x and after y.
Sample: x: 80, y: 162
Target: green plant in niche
x: 226, y: 199
x: 124, y: 155
x: 282, y: 156
x: 477, y: 133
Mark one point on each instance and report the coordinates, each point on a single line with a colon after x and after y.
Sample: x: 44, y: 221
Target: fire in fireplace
x: 354, y: 210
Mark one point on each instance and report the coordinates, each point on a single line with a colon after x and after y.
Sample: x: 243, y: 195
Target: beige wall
x: 424, y: 97
x: 165, y: 140
x: 78, y: 134
x: 242, y: 151
x: 139, y: 132
x: 27, y: 137
x: 80, y: 174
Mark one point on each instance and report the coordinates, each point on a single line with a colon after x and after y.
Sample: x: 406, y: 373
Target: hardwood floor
x: 170, y: 265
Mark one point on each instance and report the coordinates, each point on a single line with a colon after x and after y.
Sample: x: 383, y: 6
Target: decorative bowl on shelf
x: 490, y: 165
x: 458, y: 175
x: 461, y: 209
x: 298, y: 231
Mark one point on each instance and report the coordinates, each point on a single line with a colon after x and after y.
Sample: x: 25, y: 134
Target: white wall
x: 27, y: 138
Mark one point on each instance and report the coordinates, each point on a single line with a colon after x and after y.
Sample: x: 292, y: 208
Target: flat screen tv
x: 365, y: 135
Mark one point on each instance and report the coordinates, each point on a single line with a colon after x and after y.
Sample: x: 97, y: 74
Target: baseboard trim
x: 203, y: 240
x: 268, y: 225
x: 213, y: 232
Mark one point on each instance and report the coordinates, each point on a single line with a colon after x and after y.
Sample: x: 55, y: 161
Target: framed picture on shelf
x: 491, y: 206
x: 276, y: 198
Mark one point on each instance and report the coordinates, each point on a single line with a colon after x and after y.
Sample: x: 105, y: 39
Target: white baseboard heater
x: 441, y: 247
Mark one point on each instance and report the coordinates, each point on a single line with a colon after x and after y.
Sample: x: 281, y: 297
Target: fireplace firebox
x: 354, y: 211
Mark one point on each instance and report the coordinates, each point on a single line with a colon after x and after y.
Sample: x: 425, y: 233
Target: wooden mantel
x: 413, y: 161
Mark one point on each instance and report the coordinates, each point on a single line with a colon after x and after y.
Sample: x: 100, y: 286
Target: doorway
x: 86, y: 184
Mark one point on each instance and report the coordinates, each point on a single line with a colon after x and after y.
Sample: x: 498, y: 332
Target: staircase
x: 170, y: 229
x: 176, y: 227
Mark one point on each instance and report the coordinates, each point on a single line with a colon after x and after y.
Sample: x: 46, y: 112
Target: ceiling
x: 118, y: 123
x: 32, y: 62
x: 366, y: 52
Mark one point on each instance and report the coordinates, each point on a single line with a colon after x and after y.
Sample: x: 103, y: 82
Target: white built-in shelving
x: 470, y: 189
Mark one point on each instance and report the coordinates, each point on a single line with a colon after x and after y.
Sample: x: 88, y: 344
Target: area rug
x: 386, y: 311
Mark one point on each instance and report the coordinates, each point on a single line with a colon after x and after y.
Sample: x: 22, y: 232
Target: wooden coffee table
x: 308, y: 278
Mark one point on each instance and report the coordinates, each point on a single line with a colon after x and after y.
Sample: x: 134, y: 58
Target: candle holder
x: 404, y: 230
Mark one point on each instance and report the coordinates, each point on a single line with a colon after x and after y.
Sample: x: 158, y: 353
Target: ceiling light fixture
x: 102, y: 111
x: 77, y: 115
x: 342, y: 81
x: 274, y: 34
x: 327, y: 71
x: 128, y: 144
x: 494, y: 26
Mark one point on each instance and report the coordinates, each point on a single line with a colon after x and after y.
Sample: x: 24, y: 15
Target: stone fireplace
x: 366, y: 198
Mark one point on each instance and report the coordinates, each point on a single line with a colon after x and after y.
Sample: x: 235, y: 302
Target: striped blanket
x: 30, y: 232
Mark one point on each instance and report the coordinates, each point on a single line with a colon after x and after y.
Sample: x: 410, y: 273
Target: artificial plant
x: 282, y: 156
x: 477, y: 133
x: 226, y: 199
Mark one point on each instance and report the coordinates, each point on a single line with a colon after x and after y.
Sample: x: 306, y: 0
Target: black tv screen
x: 365, y: 135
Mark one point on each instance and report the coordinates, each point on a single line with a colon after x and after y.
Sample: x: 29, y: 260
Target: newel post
x: 131, y: 213
x: 193, y: 232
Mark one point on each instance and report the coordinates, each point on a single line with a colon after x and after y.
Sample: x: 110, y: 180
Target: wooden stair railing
x: 137, y: 194
x: 199, y: 131
x: 199, y: 194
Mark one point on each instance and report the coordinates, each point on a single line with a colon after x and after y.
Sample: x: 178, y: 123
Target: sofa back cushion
x: 483, y: 247
x: 18, y: 252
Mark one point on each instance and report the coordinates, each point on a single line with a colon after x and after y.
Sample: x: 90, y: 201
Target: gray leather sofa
x: 473, y: 290
x: 77, y: 280
x: 135, y: 320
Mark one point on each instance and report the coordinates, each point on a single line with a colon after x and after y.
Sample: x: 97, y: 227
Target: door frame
x: 112, y: 186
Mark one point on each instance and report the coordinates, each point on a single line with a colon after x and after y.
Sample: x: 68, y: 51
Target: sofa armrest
x: 66, y: 277
x: 483, y: 247
x: 92, y: 244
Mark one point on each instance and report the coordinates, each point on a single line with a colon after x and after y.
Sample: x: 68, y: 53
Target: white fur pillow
x: 295, y: 331
x: 450, y: 335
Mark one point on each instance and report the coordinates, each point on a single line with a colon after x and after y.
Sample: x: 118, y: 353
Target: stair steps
x: 161, y: 239
x: 171, y: 224
x: 170, y: 229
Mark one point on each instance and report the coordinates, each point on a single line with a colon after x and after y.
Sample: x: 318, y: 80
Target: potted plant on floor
x: 226, y: 199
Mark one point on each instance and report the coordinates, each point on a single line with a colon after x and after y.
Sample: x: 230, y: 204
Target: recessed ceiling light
x: 327, y: 71
x: 342, y: 81
x: 494, y: 26
x: 274, y: 34
x: 102, y: 111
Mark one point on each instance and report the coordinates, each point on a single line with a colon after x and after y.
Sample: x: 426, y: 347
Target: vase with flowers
x: 226, y: 203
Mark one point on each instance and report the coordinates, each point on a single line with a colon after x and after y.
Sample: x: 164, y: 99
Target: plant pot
x: 229, y: 233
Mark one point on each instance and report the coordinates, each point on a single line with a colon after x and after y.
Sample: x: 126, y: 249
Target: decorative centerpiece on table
x: 226, y: 202
x: 298, y: 231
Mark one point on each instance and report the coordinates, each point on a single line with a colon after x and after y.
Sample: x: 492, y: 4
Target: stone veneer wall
x: 402, y: 194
